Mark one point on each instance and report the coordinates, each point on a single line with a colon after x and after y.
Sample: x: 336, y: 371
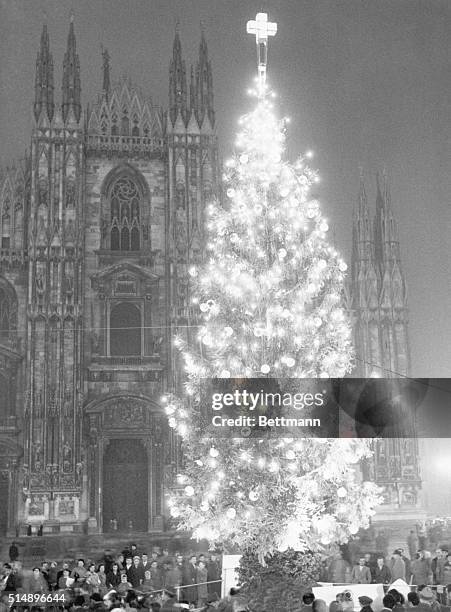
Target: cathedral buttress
x: 53, y: 453
x: 193, y: 176
x: 365, y: 285
x: 393, y: 295
x: 379, y: 289
x: 381, y: 342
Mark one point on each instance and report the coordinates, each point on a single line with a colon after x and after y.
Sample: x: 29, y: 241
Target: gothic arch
x: 132, y: 419
x: 125, y: 209
x: 8, y: 311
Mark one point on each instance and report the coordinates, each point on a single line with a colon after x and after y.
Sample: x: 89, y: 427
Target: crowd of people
x: 131, y: 579
x: 423, y: 567
x: 168, y: 582
x: 422, y: 599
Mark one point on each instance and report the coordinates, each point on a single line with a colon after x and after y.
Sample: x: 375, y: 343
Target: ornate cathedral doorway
x: 125, y: 486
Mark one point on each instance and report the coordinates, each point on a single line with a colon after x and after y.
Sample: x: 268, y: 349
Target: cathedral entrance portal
x: 125, y: 486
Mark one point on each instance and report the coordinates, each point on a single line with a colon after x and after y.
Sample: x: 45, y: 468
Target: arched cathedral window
x: 5, y: 399
x: 125, y: 232
x: 8, y: 313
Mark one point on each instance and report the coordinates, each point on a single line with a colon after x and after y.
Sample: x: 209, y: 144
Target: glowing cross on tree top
x: 261, y: 28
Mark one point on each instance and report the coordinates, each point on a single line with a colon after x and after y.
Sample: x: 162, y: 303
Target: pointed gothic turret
x: 204, y: 85
x: 106, y: 73
x: 386, y: 231
x: 379, y: 289
x: 177, y: 82
x: 43, y: 100
x: 362, y: 231
x: 71, y: 77
x: 192, y: 92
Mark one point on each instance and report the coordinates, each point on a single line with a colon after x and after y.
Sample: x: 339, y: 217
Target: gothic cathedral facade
x: 99, y: 226
x: 378, y: 305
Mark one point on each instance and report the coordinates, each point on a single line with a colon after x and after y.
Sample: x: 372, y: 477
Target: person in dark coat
x: 29, y: 530
x: 13, y: 552
x: 9, y: 579
x: 145, y: 563
x: 156, y: 577
x: 135, y: 573
x: 421, y: 570
x: 190, y: 577
x: 114, y: 576
x: 64, y: 578
x: 397, y: 566
x: 202, y: 586
x: 382, y: 574
x: 365, y: 602
x: 214, y: 574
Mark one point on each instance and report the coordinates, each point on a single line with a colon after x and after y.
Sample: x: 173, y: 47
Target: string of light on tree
x: 270, y: 298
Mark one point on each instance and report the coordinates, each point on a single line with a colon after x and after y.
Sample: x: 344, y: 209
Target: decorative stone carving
x: 125, y: 413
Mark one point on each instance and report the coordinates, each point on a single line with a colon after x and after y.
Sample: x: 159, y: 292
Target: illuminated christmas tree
x: 269, y: 296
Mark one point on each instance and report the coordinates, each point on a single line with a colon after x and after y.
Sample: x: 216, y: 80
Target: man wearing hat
x: 428, y: 602
x: 365, y: 603
x: 397, y: 566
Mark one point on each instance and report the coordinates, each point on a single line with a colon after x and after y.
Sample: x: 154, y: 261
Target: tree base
x: 279, y: 585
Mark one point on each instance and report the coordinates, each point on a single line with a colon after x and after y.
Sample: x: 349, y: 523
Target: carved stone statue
x: 70, y: 194
x: 157, y: 341
x: 95, y: 343
x: 78, y: 473
x: 40, y: 284
x: 181, y: 234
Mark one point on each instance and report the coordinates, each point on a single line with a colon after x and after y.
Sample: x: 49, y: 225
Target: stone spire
x: 43, y: 100
x: 385, y: 230
x: 204, y: 84
x: 362, y: 230
x: 192, y: 92
x: 106, y: 86
x: 71, y: 77
x: 177, y: 81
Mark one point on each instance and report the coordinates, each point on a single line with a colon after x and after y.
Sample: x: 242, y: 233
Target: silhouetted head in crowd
x: 308, y: 599
x: 389, y: 601
x: 413, y: 599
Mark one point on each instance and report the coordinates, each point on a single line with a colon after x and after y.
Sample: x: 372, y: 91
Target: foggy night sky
x: 365, y: 83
